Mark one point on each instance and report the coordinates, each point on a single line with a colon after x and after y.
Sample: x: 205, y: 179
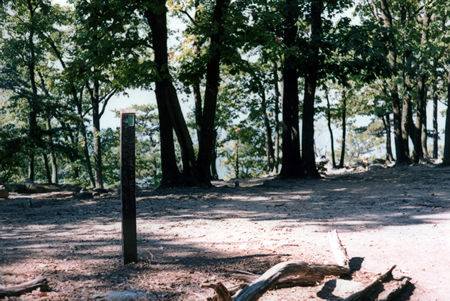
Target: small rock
x: 130, y: 295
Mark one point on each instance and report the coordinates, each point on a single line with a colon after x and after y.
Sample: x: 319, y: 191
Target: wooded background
x: 252, y: 72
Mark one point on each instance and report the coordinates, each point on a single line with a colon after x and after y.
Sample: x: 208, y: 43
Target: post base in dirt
x: 128, y: 184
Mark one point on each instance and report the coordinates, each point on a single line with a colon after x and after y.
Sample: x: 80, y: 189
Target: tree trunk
x: 198, y: 109
x: 435, y: 123
x: 171, y: 175
x: 196, y: 85
x: 401, y: 148
x: 48, y: 174
x: 53, y: 164
x: 33, y: 102
x: 169, y: 109
x: 387, y: 127
x: 268, y: 130
x: 214, y: 174
x: 309, y: 158
x: 422, y: 89
x: 344, y: 128
x: 98, y: 167
x: 31, y: 167
x: 421, y: 118
x: 446, y: 159
x: 402, y: 157
x: 291, y: 160
x: 32, y: 136
x: 411, y: 130
x: 407, y: 125
x: 333, y: 158
x: 236, y: 161
x: 82, y: 128
x: 206, y: 143
x: 277, y: 120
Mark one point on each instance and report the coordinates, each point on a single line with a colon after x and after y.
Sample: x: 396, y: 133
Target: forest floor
x: 187, y: 237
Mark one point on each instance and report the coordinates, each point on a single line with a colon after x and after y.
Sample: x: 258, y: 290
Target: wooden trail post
x: 128, y: 184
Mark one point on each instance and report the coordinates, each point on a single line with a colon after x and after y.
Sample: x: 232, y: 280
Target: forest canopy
x: 259, y: 78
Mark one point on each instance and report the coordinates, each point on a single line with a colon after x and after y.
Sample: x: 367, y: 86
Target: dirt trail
x: 188, y: 236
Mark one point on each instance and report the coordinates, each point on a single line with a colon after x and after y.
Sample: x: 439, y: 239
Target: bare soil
x: 187, y: 237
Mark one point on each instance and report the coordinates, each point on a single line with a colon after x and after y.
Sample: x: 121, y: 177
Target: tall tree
x: 194, y: 171
x: 311, y: 79
x: 446, y: 159
x: 206, y: 142
x: 291, y: 164
x: 156, y: 14
x: 402, y: 155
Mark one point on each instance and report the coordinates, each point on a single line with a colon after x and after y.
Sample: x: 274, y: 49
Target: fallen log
x: 53, y: 195
x: 392, y: 292
x: 286, y: 274
x: 338, y: 249
x: 372, y: 289
x: 17, y: 290
x: 299, y: 273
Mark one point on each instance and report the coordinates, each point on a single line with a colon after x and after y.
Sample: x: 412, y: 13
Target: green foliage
x: 52, y: 58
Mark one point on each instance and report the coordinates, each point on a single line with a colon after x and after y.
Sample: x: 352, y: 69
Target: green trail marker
x: 128, y: 184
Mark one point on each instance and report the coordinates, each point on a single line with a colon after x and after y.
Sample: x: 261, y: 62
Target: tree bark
x: 270, y: 154
x: 85, y: 143
x: 309, y: 157
x: 333, y: 158
x: 407, y: 125
x: 206, y: 143
x: 344, y: 128
x: 214, y: 174
x: 196, y: 85
x: 409, y: 128
x: 236, y: 160
x: 53, y: 163
x: 33, y: 101
x: 277, y: 120
x: 291, y: 160
x: 421, y: 117
x: 435, y: 123
x: 387, y: 126
x: 198, y: 108
x: 98, y: 167
x: 401, y: 148
x: 446, y: 159
x: 421, y: 120
x: 48, y: 174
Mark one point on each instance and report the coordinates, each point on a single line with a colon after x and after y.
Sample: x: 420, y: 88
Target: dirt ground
x: 188, y: 237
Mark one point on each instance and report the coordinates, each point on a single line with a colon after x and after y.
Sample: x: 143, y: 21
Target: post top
x: 128, y: 111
